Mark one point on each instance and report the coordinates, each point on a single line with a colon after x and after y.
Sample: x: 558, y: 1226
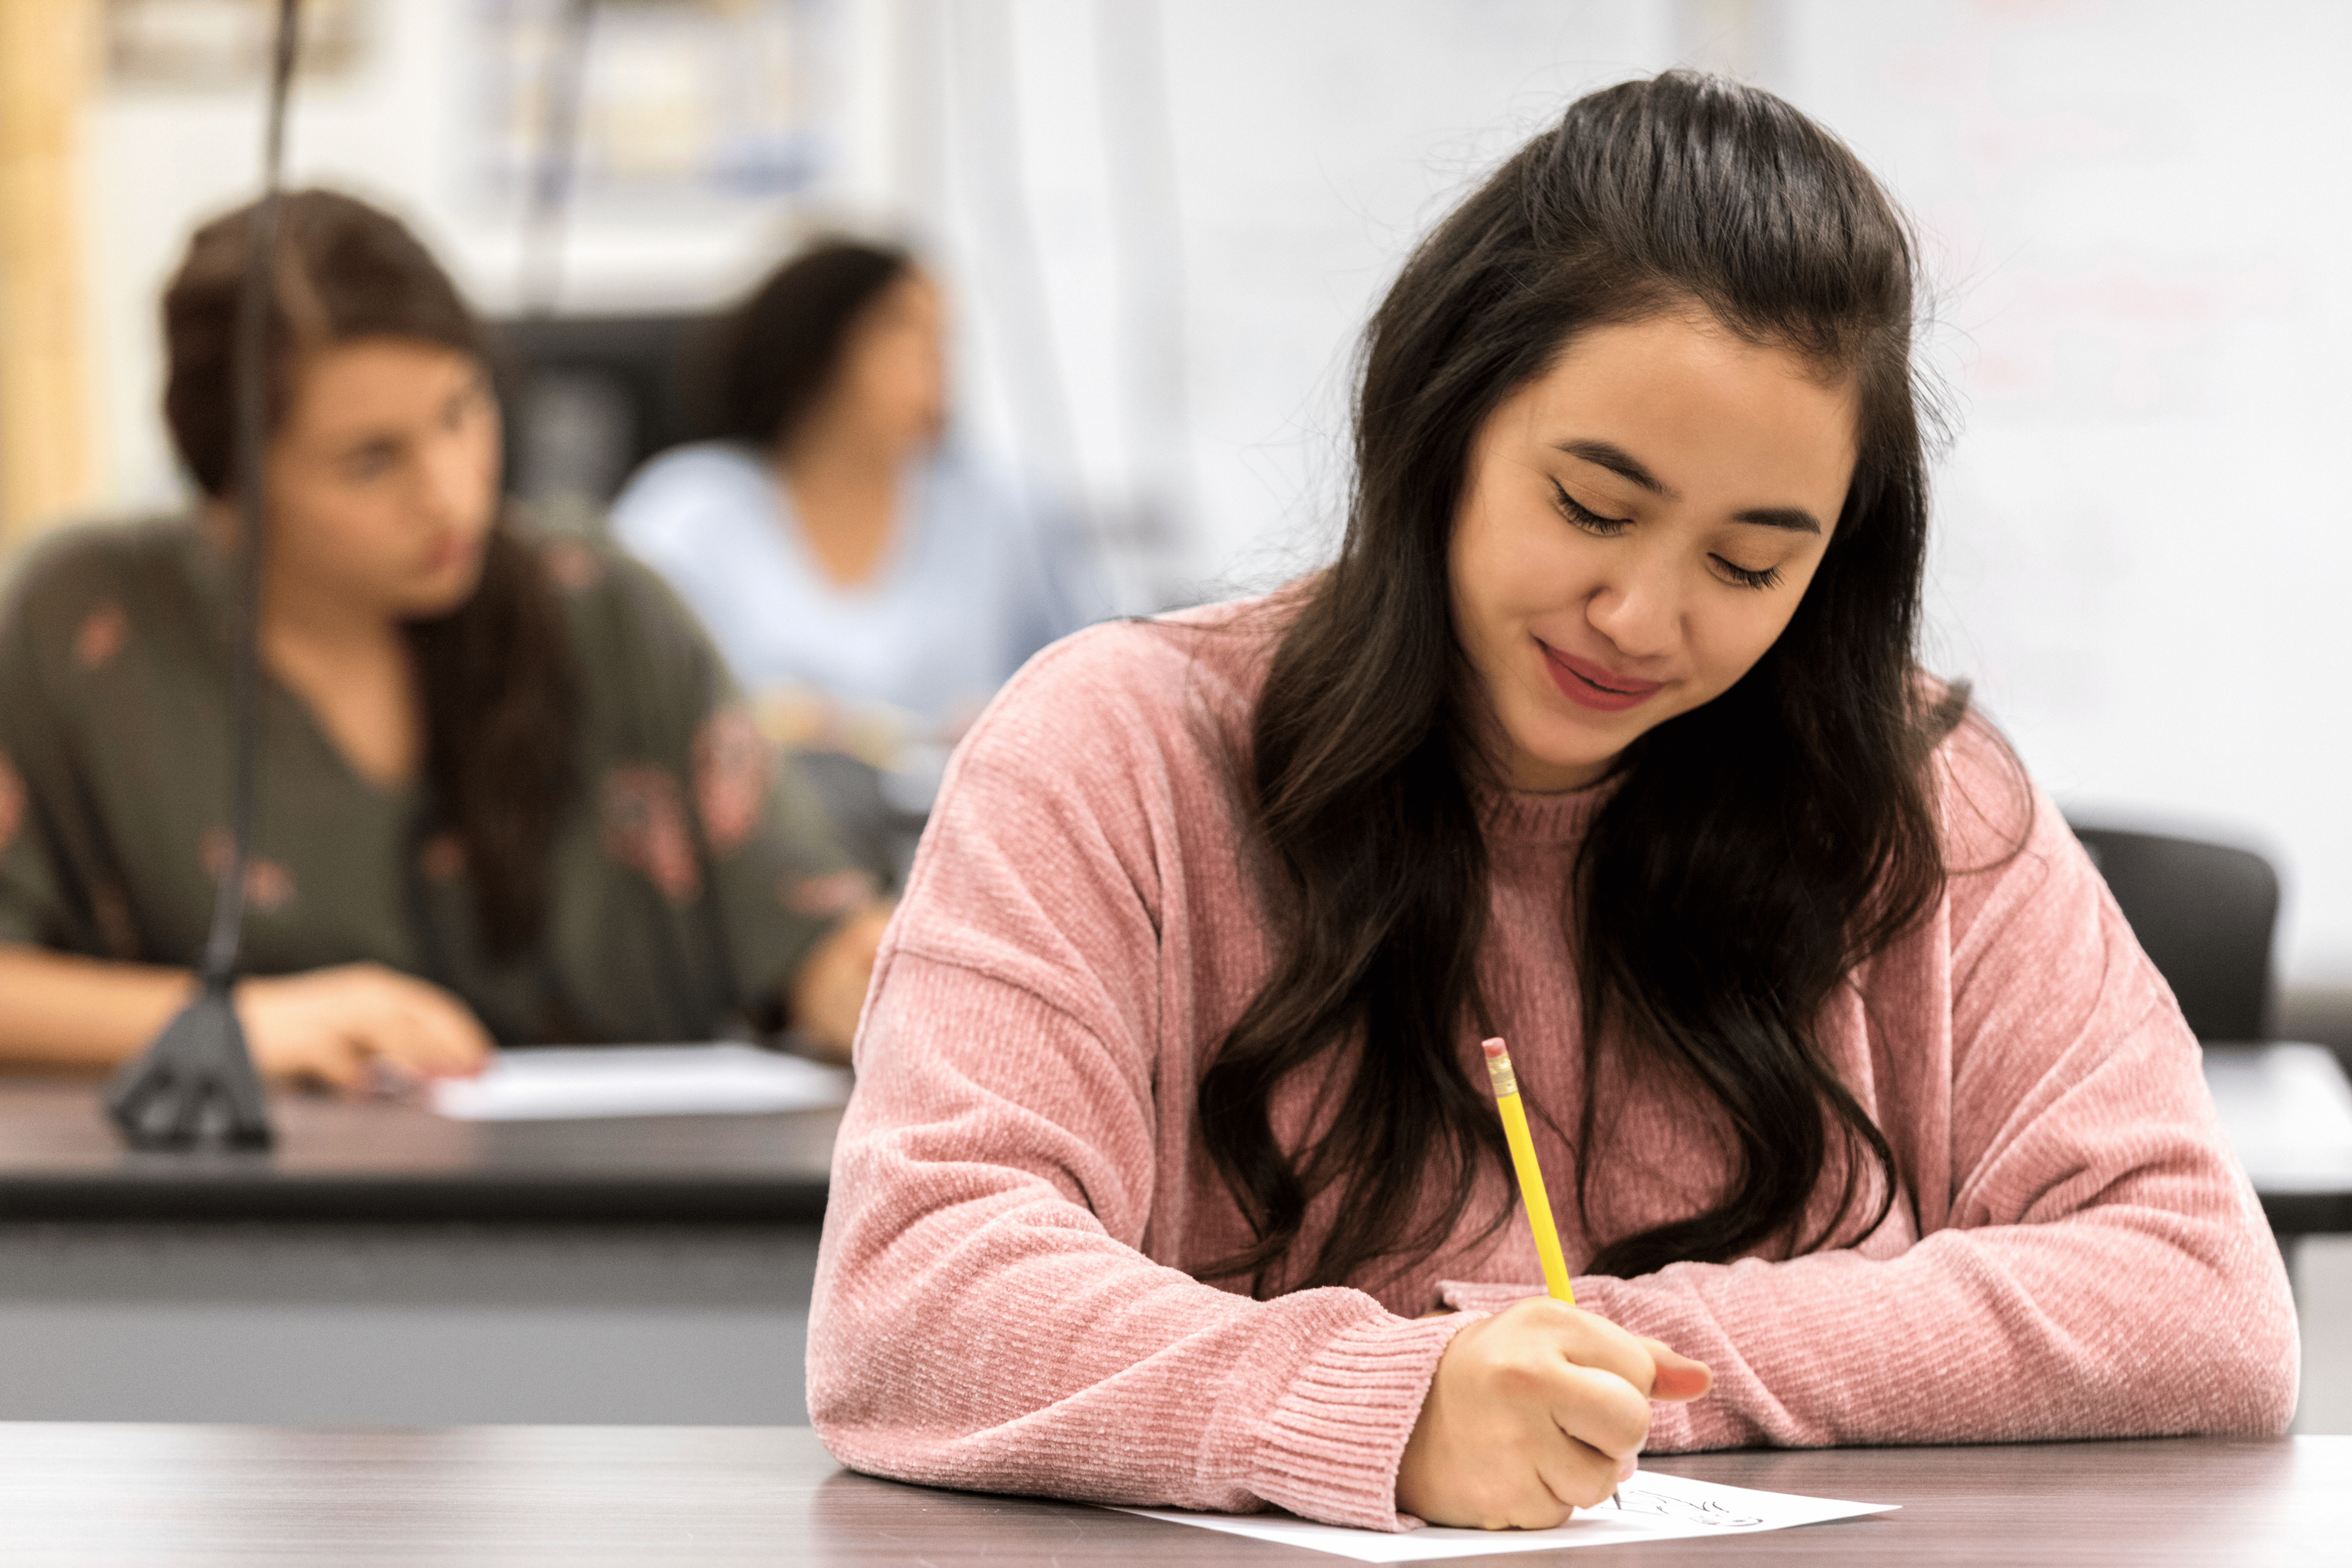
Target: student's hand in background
x: 355, y: 1025
x: 829, y: 991
x: 1533, y: 1413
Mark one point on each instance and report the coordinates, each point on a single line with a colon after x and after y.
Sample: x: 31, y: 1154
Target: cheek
x: 914, y: 377
x: 1737, y: 636
x: 1517, y: 568
x: 1476, y: 575
x: 490, y: 441
x: 486, y: 451
x: 332, y: 540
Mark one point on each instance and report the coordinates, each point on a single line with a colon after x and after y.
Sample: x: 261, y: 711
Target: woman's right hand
x: 1534, y: 1413
x: 353, y: 1025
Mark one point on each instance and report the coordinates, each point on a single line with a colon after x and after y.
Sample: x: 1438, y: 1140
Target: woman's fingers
x: 1531, y: 1413
x: 359, y: 1027
x: 329, y: 1060
x: 1595, y: 1342
x: 1679, y: 1377
x: 452, y: 1044
x: 1656, y: 1369
x: 1577, y: 1475
x: 419, y: 1030
x: 1595, y: 1420
x: 1601, y: 1412
x: 829, y: 991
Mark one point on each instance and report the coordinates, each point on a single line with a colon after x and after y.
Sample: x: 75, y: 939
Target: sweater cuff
x: 1331, y: 1446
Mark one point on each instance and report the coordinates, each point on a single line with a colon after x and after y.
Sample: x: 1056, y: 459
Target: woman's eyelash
x: 1767, y: 578
x: 1583, y: 516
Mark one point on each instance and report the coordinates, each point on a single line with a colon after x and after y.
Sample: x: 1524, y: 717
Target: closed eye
x: 1743, y: 577
x: 372, y: 460
x: 1584, y: 517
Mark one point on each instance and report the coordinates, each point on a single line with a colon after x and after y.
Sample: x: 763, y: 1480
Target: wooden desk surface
x: 585, y: 1495
x: 342, y: 1160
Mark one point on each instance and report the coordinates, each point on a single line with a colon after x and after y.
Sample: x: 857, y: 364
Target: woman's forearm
x: 57, y: 1010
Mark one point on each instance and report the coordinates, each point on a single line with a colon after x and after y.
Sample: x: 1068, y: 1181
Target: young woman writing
x: 1605, y: 733
x: 507, y: 790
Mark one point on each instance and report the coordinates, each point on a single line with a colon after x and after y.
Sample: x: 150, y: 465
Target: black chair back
x: 589, y: 398
x: 2205, y: 912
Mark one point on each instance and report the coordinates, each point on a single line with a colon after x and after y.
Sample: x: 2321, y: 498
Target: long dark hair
x: 498, y: 677
x: 778, y: 350
x: 1714, y: 908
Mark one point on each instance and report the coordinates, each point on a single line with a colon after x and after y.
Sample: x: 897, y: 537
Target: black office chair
x: 588, y: 398
x: 2205, y: 913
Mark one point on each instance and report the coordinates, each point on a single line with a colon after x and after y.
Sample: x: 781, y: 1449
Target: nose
x: 453, y: 478
x: 1638, y: 607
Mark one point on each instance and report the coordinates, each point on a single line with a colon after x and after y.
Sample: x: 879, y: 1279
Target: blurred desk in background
x: 382, y: 1265
x: 2288, y: 1111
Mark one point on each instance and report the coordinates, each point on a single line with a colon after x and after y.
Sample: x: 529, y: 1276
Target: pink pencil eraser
x: 1494, y: 1048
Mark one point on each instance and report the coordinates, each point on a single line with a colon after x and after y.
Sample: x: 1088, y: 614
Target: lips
x: 449, y: 553
x: 1591, y: 685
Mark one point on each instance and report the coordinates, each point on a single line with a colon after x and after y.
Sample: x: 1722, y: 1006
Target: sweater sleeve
x: 2102, y: 1267
x: 985, y: 1315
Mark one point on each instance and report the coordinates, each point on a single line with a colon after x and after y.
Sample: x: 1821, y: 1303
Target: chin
x: 1572, y: 762
x: 441, y: 595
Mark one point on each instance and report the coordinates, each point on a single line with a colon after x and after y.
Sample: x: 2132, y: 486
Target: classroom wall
x: 2136, y: 211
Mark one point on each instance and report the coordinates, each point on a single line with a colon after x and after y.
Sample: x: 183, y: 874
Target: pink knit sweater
x: 1001, y: 1300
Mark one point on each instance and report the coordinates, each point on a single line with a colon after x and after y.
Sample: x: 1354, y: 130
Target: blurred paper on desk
x: 640, y: 1080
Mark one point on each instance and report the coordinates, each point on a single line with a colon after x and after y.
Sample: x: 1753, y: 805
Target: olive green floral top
x: 691, y: 877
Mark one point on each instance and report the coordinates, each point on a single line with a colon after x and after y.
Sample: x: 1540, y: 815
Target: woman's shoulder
x: 98, y: 555
x: 1215, y: 654
x: 2005, y: 840
x: 1987, y: 804
x: 111, y: 570
x: 1183, y: 680
x: 690, y: 487
x: 606, y: 591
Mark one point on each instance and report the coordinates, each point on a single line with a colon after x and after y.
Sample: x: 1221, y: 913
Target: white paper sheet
x: 1657, y: 1508
x: 640, y: 1080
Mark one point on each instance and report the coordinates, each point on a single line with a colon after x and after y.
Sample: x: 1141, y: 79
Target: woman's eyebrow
x: 1796, y: 520
x: 374, y: 444
x: 1624, y: 464
x: 1619, y: 461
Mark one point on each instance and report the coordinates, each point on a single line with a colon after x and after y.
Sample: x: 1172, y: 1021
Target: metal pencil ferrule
x: 1506, y: 1081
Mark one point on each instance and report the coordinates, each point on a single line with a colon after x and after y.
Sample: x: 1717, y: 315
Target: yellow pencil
x: 1531, y: 1182
x: 1531, y: 1187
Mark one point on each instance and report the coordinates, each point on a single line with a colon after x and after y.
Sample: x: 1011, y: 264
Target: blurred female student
x: 1606, y: 733
x: 508, y: 791
x: 861, y: 573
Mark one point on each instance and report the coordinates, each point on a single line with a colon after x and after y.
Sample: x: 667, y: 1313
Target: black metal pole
x: 196, y: 1084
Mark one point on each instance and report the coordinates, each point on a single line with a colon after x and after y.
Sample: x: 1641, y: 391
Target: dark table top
x: 378, y: 1160
x: 587, y: 1495
x: 2287, y: 1107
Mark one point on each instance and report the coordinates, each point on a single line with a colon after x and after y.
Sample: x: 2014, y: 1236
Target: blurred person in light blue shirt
x: 871, y: 585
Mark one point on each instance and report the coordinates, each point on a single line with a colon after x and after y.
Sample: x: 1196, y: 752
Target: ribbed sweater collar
x: 1525, y: 816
